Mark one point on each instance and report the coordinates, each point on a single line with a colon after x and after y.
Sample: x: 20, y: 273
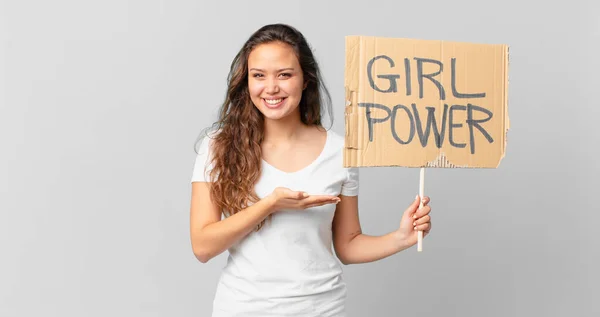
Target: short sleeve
x: 350, y: 185
x: 202, y: 165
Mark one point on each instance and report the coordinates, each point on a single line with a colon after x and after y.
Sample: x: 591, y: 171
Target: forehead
x: 272, y: 55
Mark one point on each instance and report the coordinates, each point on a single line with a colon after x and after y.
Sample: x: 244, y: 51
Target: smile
x: 273, y: 103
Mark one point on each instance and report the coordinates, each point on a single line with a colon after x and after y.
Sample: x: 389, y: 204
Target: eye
x: 285, y: 75
x: 257, y: 75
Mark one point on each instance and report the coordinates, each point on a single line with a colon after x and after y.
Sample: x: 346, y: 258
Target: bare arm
x: 209, y: 234
x: 352, y: 246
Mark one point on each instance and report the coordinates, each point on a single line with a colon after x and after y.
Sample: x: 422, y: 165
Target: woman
x: 276, y: 175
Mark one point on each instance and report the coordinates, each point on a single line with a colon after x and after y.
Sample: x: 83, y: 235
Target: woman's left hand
x: 413, y: 220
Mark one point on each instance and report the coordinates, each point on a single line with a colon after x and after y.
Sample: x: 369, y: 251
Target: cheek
x: 255, y: 88
x: 293, y: 87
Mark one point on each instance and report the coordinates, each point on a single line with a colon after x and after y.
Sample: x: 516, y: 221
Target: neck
x: 283, y: 130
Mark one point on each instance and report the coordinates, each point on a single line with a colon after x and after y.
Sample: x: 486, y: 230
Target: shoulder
x: 205, y: 141
x: 335, y: 139
x: 335, y: 148
x: 203, y: 163
x: 348, y: 176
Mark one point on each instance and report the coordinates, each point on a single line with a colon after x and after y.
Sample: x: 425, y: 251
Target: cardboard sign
x: 424, y: 103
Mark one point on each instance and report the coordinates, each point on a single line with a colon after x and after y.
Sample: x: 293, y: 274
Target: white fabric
x: 288, y: 268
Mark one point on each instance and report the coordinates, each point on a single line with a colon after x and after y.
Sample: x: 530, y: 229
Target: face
x: 275, y: 80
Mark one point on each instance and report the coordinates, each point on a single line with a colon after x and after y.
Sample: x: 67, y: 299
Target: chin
x: 275, y: 114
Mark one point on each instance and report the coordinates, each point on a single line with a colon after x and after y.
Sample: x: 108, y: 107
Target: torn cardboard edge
x: 374, y: 80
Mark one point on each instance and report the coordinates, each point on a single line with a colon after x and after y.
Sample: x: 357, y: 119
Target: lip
x: 275, y: 106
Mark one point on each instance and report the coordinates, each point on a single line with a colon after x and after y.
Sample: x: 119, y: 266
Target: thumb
x: 295, y: 194
x: 412, y: 208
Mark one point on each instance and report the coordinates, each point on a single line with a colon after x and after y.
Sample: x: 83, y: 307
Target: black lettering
x: 453, y: 84
x: 475, y: 123
x: 453, y: 125
x: 392, y: 78
x: 430, y: 76
x: 438, y: 134
x: 407, y: 77
x: 372, y: 121
x: 416, y: 125
x: 411, y: 132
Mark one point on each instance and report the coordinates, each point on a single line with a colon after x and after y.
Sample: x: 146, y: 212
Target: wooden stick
x: 421, y: 193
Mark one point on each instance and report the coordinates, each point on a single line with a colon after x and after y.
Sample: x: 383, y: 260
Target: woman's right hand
x: 285, y: 198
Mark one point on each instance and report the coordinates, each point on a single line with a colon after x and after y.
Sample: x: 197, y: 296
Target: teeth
x: 273, y: 101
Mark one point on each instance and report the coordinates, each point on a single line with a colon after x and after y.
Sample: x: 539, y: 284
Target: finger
x: 422, y: 220
x: 423, y: 227
x: 425, y: 232
x: 422, y: 212
x: 316, y: 205
x: 412, y: 208
x: 426, y: 200
x: 322, y: 198
x: 320, y: 203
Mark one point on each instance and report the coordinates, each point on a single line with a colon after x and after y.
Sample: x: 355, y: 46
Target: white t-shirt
x: 288, y: 267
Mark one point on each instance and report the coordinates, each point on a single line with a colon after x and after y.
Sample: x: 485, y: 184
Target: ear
x: 305, y: 84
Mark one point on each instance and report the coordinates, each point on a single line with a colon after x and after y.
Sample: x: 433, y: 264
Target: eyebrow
x: 280, y: 70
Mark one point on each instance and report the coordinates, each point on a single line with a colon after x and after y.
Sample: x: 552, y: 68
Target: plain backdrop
x: 102, y: 102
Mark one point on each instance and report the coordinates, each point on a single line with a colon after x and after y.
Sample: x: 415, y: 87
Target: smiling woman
x: 268, y: 157
x: 276, y: 81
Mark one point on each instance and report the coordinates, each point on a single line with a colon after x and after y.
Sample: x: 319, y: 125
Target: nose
x: 272, y: 87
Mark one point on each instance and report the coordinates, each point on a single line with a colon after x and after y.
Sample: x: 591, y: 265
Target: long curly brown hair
x: 236, y: 148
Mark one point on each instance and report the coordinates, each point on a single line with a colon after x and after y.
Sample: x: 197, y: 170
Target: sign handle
x: 421, y: 193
